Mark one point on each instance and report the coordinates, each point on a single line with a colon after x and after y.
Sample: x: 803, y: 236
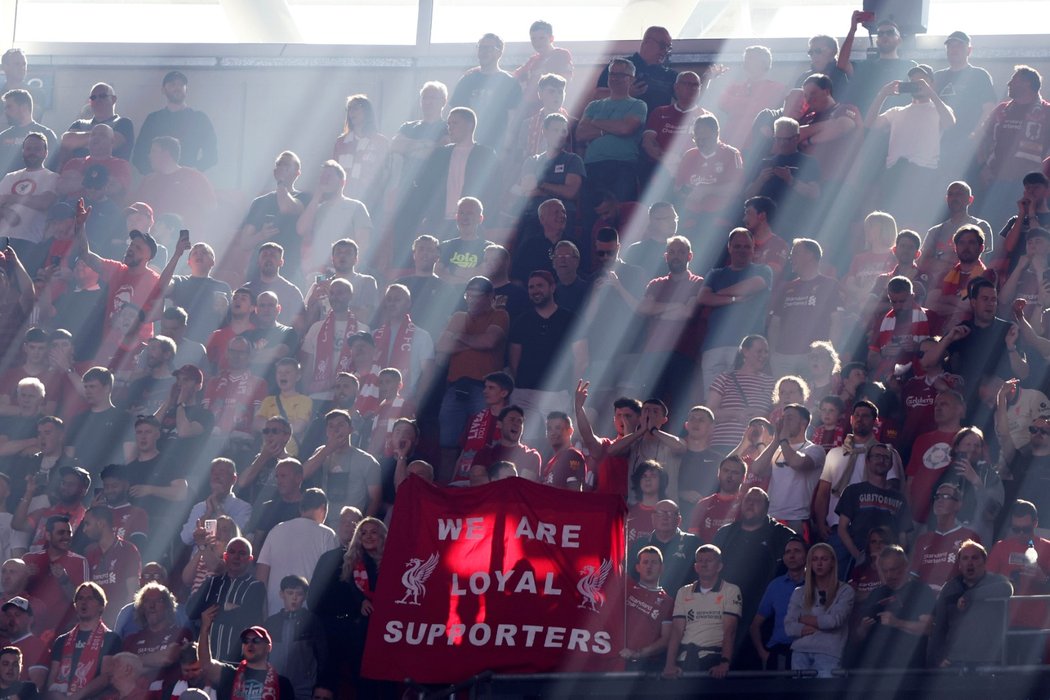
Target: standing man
x: 677, y: 547
x: 26, y: 195
x: 648, y: 617
x: 802, y: 311
x: 78, y: 656
x: 1015, y: 141
x: 237, y: 597
x: 655, y: 80
x: 74, y: 142
x: 193, y: 129
x: 249, y: 675
x: 968, y: 90
x: 706, y: 617
x: 793, y: 465
x: 491, y: 92
x: 273, y: 216
x: 866, y: 77
x: 18, y: 108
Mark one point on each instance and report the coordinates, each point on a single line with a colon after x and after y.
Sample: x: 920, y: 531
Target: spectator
x: 937, y: 246
x: 968, y: 90
x: 346, y: 474
x: 649, y: 487
x: 115, y: 563
x: 363, y: 153
x: 18, y: 108
x: 823, y: 58
x: 491, y: 92
x: 191, y: 127
x: 741, y: 393
x: 27, y: 193
x: 665, y: 139
x: 33, y: 652
x: 162, y: 636
x: 548, y: 59
x: 866, y: 77
x: 706, y: 181
x: 99, y: 173
x: 220, y: 500
x: 934, y: 550
x: 803, y: 310
x: 655, y: 81
x: 697, y: 471
x: 272, y: 217
x: 648, y: 616
x: 722, y: 507
x: 551, y: 171
x: 508, y: 447
x: 793, y: 466
x: 675, y: 545
x: 251, y: 668
x: 331, y: 216
x: 78, y: 657
x: 237, y: 597
x: 74, y: 142
x: 969, y: 606
x: 1032, y: 212
x: 751, y: 93
x: 359, y: 573
x: 775, y: 653
x: 895, y: 619
x: 705, y: 620
x: 828, y: 128
x: 818, y: 615
x: 299, y: 644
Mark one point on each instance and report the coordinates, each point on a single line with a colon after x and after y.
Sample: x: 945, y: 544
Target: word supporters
x: 528, y: 577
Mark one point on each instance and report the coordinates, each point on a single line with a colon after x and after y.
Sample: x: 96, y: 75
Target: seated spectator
x: 78, y: 658
x: 818, y: 615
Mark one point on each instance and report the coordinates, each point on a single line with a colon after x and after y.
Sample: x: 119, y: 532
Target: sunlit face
x: 270, y: 261
x: 687, y: 88
x: 337, y: 430
x: 946, y: 501
x: 757, y: 353
x: 344, y: 257
x: 958, y: 198
x: 794, y: 556
x: 29, y: 399
x: 371, y: 537
x: 34, y: 151
x: 829, y: 414
x: 972, y: 564
x: 791, y: 392
x: 88, y: 607
x: 899, y: 302
x: 345, y: 391
x: 968, y: 248
x: 558, y: 432
x: 460, y: 128
x: 425, y: 253
x: 656, y: 46
x: 956, y: 51
x: 286, y: 376
x: 431, y: 102
x: 677, y: 256
x: 730, y: 476
x: 708, y: 565
x: 238, y: 558
x: 698, y: 423
x: 625, y: 420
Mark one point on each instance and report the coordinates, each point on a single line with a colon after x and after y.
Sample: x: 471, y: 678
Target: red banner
x: 512, y: 576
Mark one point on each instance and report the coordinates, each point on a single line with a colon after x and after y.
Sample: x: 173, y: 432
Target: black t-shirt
x: 492, y: 96
x: 111, y: 644
x: 1042, y: 220
x: 430, y: 295
x: 887, y: 647
x: 147, y: 394
x: 463, y: 254
x: 966, y: 91
x: 98, y: 438
x: 121, y: 125
x: 510, y: 297
x: 264, y: 207
x: 981, y: 353
x: 253, y: 683
x: 868, y: 78
x: 868, y: 506
x: 271, y: 513
x: 542, y: 341
x: 24, y: 690
x: 806, y: 169
x: 698, y: 471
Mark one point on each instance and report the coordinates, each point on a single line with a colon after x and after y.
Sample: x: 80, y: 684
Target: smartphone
x: 184, y: 235
x: 908, y: 88
x: 867, y: 17
x: 320, y: 279
x: 210, y: 526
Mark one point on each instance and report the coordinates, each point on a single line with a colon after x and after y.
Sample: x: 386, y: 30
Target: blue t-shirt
x: 610, y: 146
x: 774, y: 605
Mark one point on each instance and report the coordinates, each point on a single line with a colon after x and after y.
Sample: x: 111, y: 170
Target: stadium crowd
x: 823, y: 371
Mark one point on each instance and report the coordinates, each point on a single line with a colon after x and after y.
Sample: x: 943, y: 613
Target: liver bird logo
x: 590, y: 585
x: 416, y: 574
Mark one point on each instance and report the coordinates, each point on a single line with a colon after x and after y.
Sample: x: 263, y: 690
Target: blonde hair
x: 809, y: 593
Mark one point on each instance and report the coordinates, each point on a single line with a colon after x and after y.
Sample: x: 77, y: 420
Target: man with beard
x: 752, y: 551
x: 537, y: 339
x: 343, y: 264
x: 566, y: 469
x: 948, y: 299
x: 147, y: 393
x: 844, y: 466
x: 18, y: 108
x: 54, y: 573
x: 344, y: 396
x: 937, y: 250
x: 73, y: 485
x: 271, y: 339
x: 270, y: 260
x: 26, y: 194
x: 193, y: 129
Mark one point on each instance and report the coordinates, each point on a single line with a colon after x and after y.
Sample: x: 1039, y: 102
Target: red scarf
x: 324, y: 371
x: 361, y: 578
x: 72, y: 679
x: 271, y: 686
x: 482, y: 431
x: 399, y: 355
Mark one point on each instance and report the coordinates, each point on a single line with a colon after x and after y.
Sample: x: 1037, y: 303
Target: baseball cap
x: 18, y: 602
x: 139, y: 208
x: 148, y: 239
x: 61, y: 210
x: 958, y: 36
x: 259, y: 631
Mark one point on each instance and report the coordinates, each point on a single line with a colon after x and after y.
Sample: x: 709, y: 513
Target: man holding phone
x: 914, y: 149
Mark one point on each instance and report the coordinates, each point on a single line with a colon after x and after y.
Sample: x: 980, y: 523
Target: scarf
x: 361, y: 578
x: 918, y: 328
x: 324, y: 371
x: 954, y: 277
x: 482, y: 431
x: 71, y: 680
x: 399, y: 354
x: 271, y: 686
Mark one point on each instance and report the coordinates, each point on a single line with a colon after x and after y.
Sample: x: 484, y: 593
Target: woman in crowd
x: 742, y: 393
x: 818, y: 614
x: 363, y: 153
